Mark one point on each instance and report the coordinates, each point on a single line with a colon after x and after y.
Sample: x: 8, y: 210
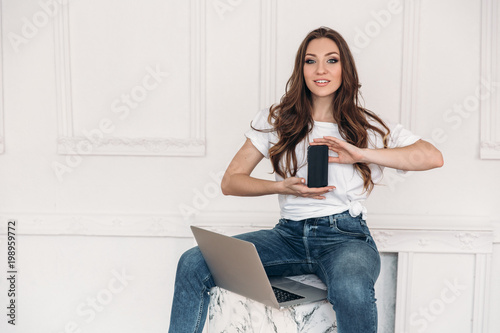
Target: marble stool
x: 231, y: 313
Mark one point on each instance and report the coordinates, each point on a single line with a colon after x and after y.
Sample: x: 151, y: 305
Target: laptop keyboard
x: 285, y: 296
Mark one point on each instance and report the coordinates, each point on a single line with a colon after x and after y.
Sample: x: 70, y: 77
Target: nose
x: 321, y: 69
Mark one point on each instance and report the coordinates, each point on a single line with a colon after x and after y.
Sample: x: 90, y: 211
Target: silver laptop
x: 235, y: 266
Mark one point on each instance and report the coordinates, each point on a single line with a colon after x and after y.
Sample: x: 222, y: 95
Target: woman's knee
x: 354, y: 291
x: 192, y: 263
x: 353, y: 282
x: 191, y: 256
x: 356, y: 262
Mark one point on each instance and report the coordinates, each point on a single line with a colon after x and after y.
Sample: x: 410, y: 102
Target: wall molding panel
x: 481, y: 293
x: 404, y: 287
x: 409, y: 71
x: 113, y: 225
x: 70, y: 143
x: 268, y: 52
x: 489, y: 92
x: 407, y: 281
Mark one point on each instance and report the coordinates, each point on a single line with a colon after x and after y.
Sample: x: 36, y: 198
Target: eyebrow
x: 330, y: 53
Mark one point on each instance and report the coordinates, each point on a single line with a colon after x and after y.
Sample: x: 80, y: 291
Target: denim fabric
x: 338, y: 249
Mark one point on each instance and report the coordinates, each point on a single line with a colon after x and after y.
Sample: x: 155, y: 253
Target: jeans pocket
x: 351, y: 226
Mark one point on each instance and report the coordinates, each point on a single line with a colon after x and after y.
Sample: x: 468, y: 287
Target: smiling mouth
x: 321, y: 83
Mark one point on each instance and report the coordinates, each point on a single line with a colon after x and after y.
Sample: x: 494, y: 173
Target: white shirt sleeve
x: 398, y: 137
x: 401, y: 137
x: 261, y: 139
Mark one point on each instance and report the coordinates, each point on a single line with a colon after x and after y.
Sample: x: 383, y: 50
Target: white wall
x: 67, y: 69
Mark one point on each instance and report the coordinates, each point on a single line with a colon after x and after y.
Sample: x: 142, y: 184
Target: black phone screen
x: 317, y: 166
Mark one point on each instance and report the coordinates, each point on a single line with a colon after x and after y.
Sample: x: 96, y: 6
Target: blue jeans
x: 338, y: 249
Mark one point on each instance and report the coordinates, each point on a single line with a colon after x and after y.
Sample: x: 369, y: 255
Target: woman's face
x: 322, y: 70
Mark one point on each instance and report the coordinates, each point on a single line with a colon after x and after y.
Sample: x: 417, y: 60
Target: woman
x: 321, y: 230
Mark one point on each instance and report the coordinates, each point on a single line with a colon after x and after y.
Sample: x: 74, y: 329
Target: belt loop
x: 332, y: 220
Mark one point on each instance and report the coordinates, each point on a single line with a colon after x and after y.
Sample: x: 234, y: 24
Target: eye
x: 332, y: 60
x: 309, y: 61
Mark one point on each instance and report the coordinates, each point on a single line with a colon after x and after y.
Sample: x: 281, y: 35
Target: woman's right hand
x: 237, y: 179
x: 297, y: 186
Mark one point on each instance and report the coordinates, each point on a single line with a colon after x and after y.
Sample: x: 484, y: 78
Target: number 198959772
x: 11, y: 271
x: 11, y: 245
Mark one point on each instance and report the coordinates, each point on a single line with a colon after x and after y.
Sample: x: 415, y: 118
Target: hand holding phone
x: 317, y: 166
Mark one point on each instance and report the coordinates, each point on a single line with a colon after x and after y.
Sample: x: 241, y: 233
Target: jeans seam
x: 327, y: 280
x: 374, y: 311
x: 202, y: 304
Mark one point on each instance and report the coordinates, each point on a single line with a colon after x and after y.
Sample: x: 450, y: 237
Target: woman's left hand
x: 418, y: 156
x: 347, y: 153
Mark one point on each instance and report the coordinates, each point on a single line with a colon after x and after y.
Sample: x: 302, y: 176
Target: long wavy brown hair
x: 292, y: 117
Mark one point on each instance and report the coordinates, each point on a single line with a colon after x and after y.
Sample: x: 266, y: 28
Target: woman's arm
x: 416, y: 157
x: 419, y: 156
x: 237, y: 180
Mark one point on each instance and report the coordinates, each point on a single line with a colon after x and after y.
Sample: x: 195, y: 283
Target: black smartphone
x: 317, y: 166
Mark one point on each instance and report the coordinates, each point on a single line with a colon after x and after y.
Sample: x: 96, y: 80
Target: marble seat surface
x: 229, y: 312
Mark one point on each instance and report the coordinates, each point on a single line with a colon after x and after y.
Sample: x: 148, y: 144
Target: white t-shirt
x: 349, y: 193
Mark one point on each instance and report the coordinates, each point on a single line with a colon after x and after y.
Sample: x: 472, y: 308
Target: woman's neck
x: 323, y: 110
